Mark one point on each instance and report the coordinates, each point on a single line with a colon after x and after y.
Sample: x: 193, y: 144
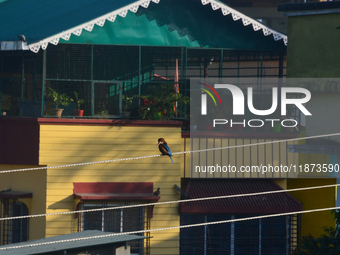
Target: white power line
x: 158, y: 155
x: 170, y: 228
x: 170, y: 202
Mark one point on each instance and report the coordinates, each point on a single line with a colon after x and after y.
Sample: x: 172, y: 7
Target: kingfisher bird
x: 164, y: 148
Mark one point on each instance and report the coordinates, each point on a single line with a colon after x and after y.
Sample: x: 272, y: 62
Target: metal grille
x: 20, y: 83
x: 123, y: 220
x: 106, y: 99
x: 138, y: 69
x: 115, y: 62
x: 225, y: 63
x: 142, y: 70
x: 263, y: 236
x: 13, y: 231
x: 68, y: 62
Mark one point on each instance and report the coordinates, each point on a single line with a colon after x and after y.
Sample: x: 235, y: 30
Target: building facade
x: 116, y: 51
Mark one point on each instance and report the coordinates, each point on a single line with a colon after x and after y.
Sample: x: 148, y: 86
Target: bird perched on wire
x: 164, y: 148
x: 157, y: 192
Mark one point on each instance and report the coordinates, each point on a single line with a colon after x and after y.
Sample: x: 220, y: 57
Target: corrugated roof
x: 41, y: 249
x: 259, y: 204
x: 46, y: 21
x: 114, y: 191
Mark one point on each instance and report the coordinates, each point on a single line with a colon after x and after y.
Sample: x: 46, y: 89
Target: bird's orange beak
x: 158, y: 143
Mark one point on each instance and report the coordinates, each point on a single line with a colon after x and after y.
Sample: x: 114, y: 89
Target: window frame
x: 144, y: 223
x: 8, y: 228
x: 243, y: 237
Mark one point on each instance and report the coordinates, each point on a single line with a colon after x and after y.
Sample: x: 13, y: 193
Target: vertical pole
x: 43, y: 84
x: 232, y: 236
x: 34, y: 81
x: 121, y: 221
x: 281, y: 64
x: 261, y: 68
x: 206, y: 64
x: 139, y: 72
x: 205, y: 236
x: 334, y: 159
x: 287, y: 234
x: 200, y: 69
x: 238, y: 64
x: 1, y: 75
x: 120, y: 99
x: 221, y: 65
x: 182, y: 62
x: 176, y: 86
x: 181, y: 79
x: 280, y: 81
x: 185, y: 71
x: 92, y: 83
x: 22, y: 83
x: 260, y: 236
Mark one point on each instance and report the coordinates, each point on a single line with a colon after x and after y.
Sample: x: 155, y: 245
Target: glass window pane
x: 92, y: 220
x: 113, y: 221
x: 192, y: 239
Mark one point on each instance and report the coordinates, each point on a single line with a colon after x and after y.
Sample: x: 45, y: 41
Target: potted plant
x: 58, y: 99
x: 79, y: 101
x: 160, y: 104
x: 127, y: 101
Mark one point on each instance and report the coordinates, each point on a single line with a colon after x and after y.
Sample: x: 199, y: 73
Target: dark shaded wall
x: 313, y: 49
x: 19, y: 141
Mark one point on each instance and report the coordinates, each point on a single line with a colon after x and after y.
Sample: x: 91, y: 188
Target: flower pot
x: 78, y: 113
x: 56, y: 112
x: 126, y: 114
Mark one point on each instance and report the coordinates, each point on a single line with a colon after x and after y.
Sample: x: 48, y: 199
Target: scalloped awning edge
x: 236, y: 15
x: 100, y: 21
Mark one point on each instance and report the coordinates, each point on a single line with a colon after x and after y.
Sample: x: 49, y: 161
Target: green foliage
x: 127, y: 101
x: 337, y: 219
x: 78, y: 101
x: 160, y: 102
x: 327, y: 244
x: 103, y: 113
x: 57, y: 98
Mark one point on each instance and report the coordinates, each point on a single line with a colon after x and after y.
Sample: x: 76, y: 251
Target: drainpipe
x: 43, y: 83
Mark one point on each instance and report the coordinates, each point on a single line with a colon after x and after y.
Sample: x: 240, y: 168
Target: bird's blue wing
x: 168, y: 149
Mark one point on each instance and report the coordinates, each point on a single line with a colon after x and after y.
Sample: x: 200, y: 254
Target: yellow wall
x: 31, y: 181
x: 312, y: 223
x: 61, y: 144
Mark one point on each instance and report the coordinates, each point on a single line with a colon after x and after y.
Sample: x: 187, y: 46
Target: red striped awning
x: 259, y: 204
